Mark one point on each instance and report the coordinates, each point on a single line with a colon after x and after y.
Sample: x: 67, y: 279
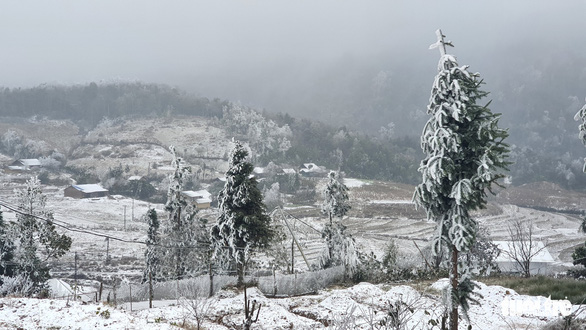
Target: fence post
x: 114, y: 291
x: 274, y: 283
x: 75, y: 285
x: 295, y: 284
x: 211, y: 293
x: 130, y: 288
x: 151, y: 294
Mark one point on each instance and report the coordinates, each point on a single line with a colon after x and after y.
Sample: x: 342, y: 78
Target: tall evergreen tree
x: 336, y: 201
x: 36, y: 238
x: 6, y: 251
x: 340, y: 246
x: 243, y: 223
x: 152, y: 253
x: 579, y: 254
x: 182, y: 226
x: 465, y: 156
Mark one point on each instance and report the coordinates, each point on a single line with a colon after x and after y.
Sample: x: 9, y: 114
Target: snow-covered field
x: 359, y: 307
x: 381, y: 211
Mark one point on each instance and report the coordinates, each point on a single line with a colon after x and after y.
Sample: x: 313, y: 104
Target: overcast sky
x: 225, y: 48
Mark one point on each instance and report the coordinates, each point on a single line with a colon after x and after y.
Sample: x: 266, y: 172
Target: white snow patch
x: 391, y: 201
x: 354, y: 183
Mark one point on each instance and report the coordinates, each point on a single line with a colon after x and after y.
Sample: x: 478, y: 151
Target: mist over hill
x: 544, y: 147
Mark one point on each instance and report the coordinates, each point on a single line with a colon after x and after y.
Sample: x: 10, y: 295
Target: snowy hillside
x: 359, y: 307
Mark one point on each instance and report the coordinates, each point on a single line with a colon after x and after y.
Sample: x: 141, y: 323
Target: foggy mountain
x: 360, y: 65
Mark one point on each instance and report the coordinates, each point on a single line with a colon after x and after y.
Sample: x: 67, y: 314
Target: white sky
x: 191, y: 43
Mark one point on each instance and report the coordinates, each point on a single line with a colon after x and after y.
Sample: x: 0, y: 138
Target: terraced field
x: 381, y: 212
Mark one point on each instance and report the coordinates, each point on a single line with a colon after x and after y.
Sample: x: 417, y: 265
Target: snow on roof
x: 89, y: 188
x: 30, y: 162
x: 202, y: 194
x: 59, y: 288
x: 541, y: 256
x: 289, y: 171
x: 135, y: 178
x: 259, y: 170
x: 311, y: 167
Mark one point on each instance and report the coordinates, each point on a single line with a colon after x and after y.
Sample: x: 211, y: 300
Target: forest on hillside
x: 544, y: 147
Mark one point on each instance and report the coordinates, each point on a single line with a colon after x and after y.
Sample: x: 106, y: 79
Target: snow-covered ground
x: 358, y: 307
x: 354, y: 183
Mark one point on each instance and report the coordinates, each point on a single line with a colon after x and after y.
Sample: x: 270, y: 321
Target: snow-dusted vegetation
x: 151, y: 208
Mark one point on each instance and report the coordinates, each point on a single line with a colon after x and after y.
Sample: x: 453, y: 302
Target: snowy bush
x: 20, y: 285
x: 300, y: 283
x: 272, y: 197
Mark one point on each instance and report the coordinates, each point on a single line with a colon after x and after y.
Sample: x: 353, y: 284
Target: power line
x: 17, y: 209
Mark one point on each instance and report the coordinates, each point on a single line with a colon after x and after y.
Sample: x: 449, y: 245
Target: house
x: 25, y: 165
x: 85, y: 191
x: 312, y: 170
x: 540, y: 264
x: 288, y: 171
x: 259, y: 171
x: 201, y: 198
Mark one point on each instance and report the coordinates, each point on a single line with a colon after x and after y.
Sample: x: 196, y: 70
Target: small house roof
x: 89, y: 188
x: 505, y: 246
x: 312, y: 168
x: 135, y: 178
x: 30, y: 162
x: 289, y: 171
x: 197, y: 194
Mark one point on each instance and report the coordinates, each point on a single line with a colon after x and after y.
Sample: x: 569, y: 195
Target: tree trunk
x: 454, y: 282
x: 330, y: 252
x: 240, y: 269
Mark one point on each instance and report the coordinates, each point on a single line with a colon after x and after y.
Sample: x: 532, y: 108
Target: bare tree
x: 523, y: 246
x: 197, y: 306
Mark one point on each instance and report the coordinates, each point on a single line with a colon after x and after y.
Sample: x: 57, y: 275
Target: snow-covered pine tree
x: 579, y: 254
x: 243, y: 223
x: 341, y: 247
x: 152, y: 253
x: 33, y: 231
x: 6, y: 251
x: 465, y: 156
x: 336, y: 201
x: 581, y: 115
x: 183, y: 229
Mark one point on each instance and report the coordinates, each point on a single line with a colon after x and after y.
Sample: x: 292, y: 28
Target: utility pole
x: 292, y: 256
x: 124, y: 217
x: 107, y: 250
x: 75, y: 284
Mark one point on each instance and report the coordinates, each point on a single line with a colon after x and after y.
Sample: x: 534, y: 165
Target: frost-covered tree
x: 581, y: 116
x: 465, y: 155
x: 6, y: 251
x: 35, y: 236
x: 579, y: 254
x: 272, y: 196
x: 264, y: 135
x: 183, y: 229
x: 336, y: 201
x: 340, y: 245
x: 153, y: 251
x: 341, y: 248
x: 243, y: 223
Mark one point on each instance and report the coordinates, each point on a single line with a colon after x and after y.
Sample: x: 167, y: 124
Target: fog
x: 318, y: 59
